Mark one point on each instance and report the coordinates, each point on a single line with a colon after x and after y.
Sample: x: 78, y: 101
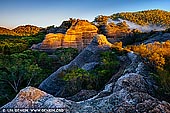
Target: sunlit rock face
x: 79, y: 35
x: 52, y: 41
x: 114, y: 32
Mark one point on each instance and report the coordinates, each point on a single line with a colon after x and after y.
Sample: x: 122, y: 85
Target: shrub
x: 158, y: 56
x: 78, y: 78
x: 65, y: 55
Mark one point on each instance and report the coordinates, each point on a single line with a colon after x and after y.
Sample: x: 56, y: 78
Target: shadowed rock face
x: 130, y: 93
x: 79, y: 35
x: 158, y: 37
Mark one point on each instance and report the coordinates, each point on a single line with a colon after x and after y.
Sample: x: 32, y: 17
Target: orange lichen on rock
x: 31, y: 94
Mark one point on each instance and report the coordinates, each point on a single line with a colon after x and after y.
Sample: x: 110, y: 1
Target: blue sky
x: 44, y: 13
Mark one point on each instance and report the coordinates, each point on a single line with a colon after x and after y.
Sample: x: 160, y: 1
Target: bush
x: 158, y: 57
x: 27, y: 68
x: 65, y: 55
x: 78, y: 78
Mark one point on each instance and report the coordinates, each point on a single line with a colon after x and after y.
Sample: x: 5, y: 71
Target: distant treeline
x: 156, y: 17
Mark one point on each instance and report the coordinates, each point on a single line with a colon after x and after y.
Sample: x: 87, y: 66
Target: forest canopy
x: 157, y: 17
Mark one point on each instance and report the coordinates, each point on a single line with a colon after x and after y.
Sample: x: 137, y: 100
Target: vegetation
x: 18, y: 71
x: 156, y: 52
x: 9, y: 46
x: 78, y: 78
x: 158, y: 17
x: 65, y: 55
x: 20, y: 67
x: 16, y: 44
x: 155, y: 55
x: 101, y: 20
x: 159, y: 57
x: 109, y: 65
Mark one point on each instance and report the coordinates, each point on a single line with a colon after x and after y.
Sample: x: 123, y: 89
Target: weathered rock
x: 78, y: 35
x: 31, y: 97
x: 114, y: 32
x: 55, y: 85
x: 158, y: 37
x: 130, y: 93
x: 61, y: 29
x: 52, y: 41
x: 82, y: 95
x: 90, y: 66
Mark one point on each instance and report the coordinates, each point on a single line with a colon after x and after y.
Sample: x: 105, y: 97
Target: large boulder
x: 31, y: 97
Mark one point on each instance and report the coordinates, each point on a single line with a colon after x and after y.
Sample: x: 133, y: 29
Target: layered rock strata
x: 79, y: 35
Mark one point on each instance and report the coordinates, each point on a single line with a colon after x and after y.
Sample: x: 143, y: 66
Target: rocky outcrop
x: 78, y: 35
x: 31, y: 97
x: 158, y: 37
x: 82, y: 95
x: 130, y: 91
x: 128, y: 94
x: 115, y: 32
x: 88, y: 57
x: 61, y: 29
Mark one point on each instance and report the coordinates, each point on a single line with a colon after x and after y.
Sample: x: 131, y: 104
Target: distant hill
x: 5, y: 31
x: 157, y: 17
x: 26, y: 30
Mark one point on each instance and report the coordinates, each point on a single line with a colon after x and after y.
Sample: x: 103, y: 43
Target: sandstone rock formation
x: 115, y: 32
x: 78, y: 35
x: 31, y: 97
x: 129, y: 92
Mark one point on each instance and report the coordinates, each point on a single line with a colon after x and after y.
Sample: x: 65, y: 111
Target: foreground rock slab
x: 128, y: 95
